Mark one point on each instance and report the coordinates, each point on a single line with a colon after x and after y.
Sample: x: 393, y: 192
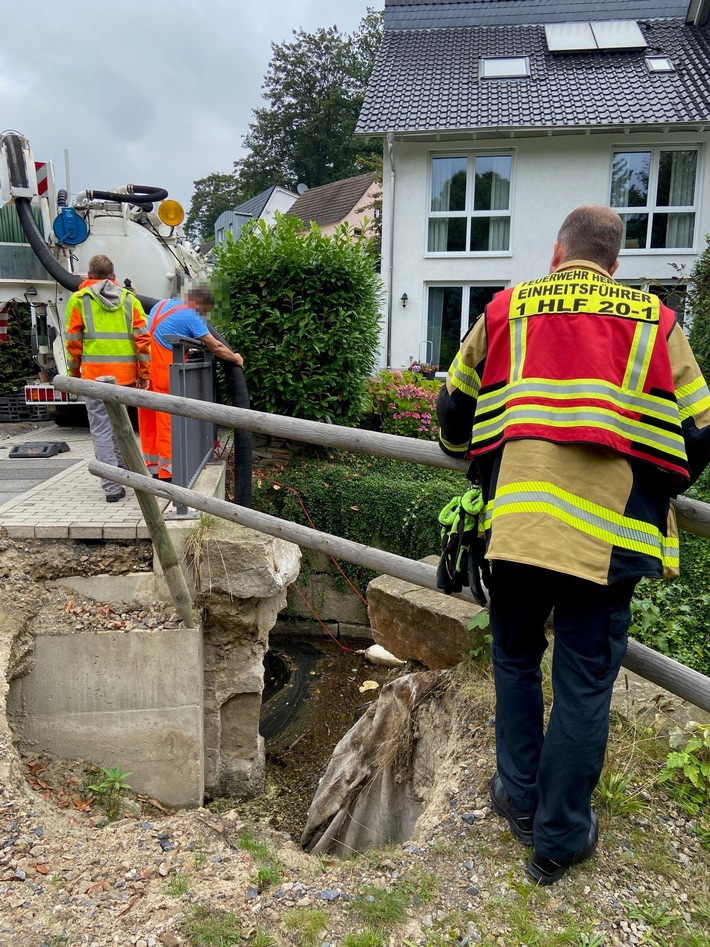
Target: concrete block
x: 133, y: 587
x: 304, y: 629
x: 245, y: 563
x: 131, y: 700
x: 420, y: 624
x: 330, y: 597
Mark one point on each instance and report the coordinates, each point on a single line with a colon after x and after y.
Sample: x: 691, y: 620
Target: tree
x: 700, y: 310
x: 314, y: 87
x: 304, y: 311
x: 213, y: 195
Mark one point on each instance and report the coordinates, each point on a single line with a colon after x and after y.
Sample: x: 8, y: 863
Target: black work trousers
x: 554, y: 773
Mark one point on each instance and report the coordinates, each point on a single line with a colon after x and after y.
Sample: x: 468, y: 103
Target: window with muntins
x: 655, y: 190
x: 469, y: 210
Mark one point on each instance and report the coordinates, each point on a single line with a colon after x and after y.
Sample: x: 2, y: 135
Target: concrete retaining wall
x: 131, y: 700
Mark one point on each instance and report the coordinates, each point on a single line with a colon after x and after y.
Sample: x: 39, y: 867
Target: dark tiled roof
x: 332, y: 202
x: 428, y: 81
x: 255, y: 205
x: 436, y: 14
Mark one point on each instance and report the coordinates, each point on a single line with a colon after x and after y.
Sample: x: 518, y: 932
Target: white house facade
x: 497, y: 125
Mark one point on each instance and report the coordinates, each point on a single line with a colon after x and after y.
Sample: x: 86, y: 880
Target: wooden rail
x: 670, y: 674
x: 693, y: 515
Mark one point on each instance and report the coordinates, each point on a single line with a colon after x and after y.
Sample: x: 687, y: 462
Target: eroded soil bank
x: 153, y: 877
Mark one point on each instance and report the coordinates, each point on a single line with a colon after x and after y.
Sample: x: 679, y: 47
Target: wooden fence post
x: 118, y: 415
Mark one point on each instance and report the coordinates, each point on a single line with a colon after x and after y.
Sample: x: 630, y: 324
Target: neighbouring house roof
x: 254, y: 207
x: 433, y: 14
x: 427, y: 80
x: 330, y: 203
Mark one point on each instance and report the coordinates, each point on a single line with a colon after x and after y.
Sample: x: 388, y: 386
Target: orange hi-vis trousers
x: 154, y: 427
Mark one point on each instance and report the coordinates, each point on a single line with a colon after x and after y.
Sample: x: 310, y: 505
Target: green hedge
x: 16, y: 362
x: 672, y: 617
x: 378, y: 502
x: 304, y: 311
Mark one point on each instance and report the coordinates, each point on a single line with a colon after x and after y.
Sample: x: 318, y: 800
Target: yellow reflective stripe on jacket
x: 463, y: 377
x: 453, y: 448
x: 640, y: 356
x: 587, y: 388
x: 536, y: 496
x: 601, y: 418
x: 113, y: 343
x: 518, y: 348
x: 693, y: 398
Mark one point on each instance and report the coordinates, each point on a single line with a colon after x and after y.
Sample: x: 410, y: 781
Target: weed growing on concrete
x: 205, y: 927
x: 306, y: 924
x: 109, y: 789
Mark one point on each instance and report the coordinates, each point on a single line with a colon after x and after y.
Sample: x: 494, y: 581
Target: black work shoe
x: 521, y: 822
x: 546, y: 871
x: 115, y: 497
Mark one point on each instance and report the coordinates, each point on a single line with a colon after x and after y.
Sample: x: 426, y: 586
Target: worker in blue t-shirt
x: 173, y: 317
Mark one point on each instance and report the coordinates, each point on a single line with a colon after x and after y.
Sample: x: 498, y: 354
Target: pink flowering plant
x: 404, y: 403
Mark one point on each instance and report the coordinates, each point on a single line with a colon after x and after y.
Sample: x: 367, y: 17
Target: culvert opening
x: 311, y: 699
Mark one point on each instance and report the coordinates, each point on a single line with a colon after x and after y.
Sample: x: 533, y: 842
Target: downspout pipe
x: 390, y: 274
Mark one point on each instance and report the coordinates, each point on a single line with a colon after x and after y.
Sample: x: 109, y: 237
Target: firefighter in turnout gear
x: 584, y: 412
x: 106, y: 334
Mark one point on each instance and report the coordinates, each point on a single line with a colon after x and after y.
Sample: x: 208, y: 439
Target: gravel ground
x: 68, y: 878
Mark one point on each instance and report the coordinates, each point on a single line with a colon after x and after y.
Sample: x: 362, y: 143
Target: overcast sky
x: 154, y: 92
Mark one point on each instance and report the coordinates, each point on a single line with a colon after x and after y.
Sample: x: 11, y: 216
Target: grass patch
x: 306, y: 924
x: 379, y: 908
x: 267, y: 869
x: 364, y: 939
x: 206, y: 927
x: 177, y: 884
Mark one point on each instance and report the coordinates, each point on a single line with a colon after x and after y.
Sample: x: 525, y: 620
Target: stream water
x: 311, y: 699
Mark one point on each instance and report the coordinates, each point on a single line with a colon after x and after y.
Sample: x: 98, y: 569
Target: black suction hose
x: 136, y: 194
x: 239, y: 397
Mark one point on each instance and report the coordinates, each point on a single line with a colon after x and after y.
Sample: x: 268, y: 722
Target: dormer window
x: 505, y: 67
x: 659, y: 64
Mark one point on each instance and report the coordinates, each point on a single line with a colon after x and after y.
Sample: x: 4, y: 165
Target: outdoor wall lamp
x: 404, y: 299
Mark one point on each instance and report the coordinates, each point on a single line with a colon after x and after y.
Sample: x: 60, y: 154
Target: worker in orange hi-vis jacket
x: 174, y: 317
x: 106, y: 335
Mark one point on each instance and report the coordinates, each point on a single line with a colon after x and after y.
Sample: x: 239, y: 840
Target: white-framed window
x: 655, y: 190
x: 469, y: 205
x: 451, y: 310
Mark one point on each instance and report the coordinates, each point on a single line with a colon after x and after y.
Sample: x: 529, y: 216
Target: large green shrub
x: 699, y: 295
x: 16, y: 363
x: 378, y: 502
x: 303, y: 309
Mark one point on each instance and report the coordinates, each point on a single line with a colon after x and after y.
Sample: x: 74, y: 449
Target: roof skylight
x: 505, y: 67
x: 659, y: 64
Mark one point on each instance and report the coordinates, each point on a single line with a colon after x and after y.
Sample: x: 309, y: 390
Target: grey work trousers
x: 106, y: 449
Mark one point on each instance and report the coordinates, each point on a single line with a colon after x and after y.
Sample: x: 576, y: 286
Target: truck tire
x: 69, y: 415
